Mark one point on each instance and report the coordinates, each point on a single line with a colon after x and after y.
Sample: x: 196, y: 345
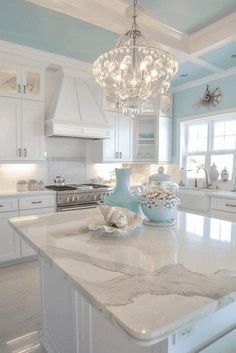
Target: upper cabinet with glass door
x: 10, y: 80
x: 20, y: 81
x: 32, y: 83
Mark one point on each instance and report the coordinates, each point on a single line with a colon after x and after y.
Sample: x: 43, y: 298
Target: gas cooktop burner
x: 61, y: 187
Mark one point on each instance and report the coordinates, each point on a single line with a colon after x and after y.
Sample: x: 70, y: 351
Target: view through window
x: 208, y: 141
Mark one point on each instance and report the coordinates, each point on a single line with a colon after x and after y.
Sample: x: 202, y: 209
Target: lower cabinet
x: 223, y: 208
x: 12, y: 247
x: 9, y: 240
x: 26, y: 250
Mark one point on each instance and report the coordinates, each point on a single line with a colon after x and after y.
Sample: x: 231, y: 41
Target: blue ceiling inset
x: 37, y: 27
x: 222, y: 56
x: 188, y: 15
x: 193, y: 72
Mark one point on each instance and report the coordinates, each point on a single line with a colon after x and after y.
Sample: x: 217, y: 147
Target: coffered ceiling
x: 200, y: 33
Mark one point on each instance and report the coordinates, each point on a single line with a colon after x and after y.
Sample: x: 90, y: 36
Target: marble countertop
x: 210, y: 192
x: 14, y: 192
x: 151, y: 283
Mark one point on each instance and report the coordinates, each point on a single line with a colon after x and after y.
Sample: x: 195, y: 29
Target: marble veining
x: 149, y: 283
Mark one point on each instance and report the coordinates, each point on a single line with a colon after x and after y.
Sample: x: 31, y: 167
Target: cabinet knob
x: 25, y: 152
x: 24, y: 89
x: 19, y: 152
x: 18, y: 88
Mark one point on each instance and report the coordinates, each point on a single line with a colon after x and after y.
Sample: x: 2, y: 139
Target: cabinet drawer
x: 227, y: 205
x: 32, y: 202
x: 8, y: 204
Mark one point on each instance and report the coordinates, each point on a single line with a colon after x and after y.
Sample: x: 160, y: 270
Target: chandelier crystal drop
x: 134, y: 72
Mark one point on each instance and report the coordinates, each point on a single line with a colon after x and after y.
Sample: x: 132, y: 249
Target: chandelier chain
x: 135, y: 25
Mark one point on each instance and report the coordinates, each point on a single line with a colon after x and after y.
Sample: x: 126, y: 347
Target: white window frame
x: 210, y: 152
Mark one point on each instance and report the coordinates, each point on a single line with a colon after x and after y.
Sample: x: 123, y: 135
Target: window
x: 207, y: 141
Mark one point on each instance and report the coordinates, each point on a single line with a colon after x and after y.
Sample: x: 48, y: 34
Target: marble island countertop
x: 151, y: 283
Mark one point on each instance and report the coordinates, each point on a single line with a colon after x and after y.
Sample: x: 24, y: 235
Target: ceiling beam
x: 213, y: 36
x: 110, y: 15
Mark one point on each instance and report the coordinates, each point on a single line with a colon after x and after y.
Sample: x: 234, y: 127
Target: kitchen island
x: 160, y: 290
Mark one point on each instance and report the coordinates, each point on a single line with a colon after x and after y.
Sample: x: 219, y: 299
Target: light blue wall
x: 38, y: 27
x: 185, y: 102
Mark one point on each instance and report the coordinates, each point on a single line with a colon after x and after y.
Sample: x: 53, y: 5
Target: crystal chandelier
x: 134, y: 72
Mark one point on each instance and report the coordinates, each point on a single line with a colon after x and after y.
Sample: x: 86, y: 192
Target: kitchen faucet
x: 206, y: 175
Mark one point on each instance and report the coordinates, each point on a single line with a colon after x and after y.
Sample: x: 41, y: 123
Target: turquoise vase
x: 122, y: 196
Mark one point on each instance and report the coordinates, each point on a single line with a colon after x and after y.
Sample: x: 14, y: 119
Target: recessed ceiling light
x: 233, y: 56
x: 183, y: 75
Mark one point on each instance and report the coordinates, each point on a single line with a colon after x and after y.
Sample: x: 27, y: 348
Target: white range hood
x: 74, y: 111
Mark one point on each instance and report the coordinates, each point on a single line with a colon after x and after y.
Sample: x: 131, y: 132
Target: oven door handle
x: 62, y: 209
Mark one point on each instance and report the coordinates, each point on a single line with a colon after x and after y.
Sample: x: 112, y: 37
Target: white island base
x: 72, y: 325
x: 160, y: 291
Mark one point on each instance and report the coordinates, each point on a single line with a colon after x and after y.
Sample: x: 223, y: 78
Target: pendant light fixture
x: 134, y: 72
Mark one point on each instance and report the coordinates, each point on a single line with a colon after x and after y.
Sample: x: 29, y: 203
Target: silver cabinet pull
x: 230, y: 205
x: 35, y: 202
x: 18, y: 88
x: 116, y: 155
x: 19, y: 152
x: 24, y: 89
x: 25, y: 152
x: 120, y: 155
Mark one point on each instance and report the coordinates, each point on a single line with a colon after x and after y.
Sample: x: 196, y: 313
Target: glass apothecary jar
x: 159, y: 202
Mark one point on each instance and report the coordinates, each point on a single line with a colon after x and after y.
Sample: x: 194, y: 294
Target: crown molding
x: 26, y: 55
x: 207, y: 115
x: 205, y: 79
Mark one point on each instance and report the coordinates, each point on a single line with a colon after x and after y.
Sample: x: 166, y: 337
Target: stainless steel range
x: 81, y: 196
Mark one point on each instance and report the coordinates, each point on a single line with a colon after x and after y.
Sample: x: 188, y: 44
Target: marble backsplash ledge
x: 104, y: 173
x: 10, y: 173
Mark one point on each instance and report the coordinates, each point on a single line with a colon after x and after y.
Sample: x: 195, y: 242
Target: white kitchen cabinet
x: 26, y: 250
x: 153, y: 139
x: 10, y: 80
x: 119, y: 147
x: 223, y: 208
x: 19, y: 81
x: 124, y: 130
x: 32, y: 130
x: 22, y: 129
x: 10, y: 132
x: 9, y: 240
x: 108, y: 150
x: 13, y: 247
x: 32, y: 83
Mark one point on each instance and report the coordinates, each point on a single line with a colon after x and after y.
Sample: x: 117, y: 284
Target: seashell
x: 114, y: 216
